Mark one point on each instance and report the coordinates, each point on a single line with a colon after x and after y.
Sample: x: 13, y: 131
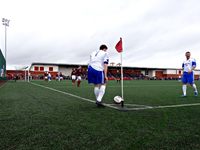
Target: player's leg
x: 92, y: 80
x: 73, y: 79
x: 45, y: 78
x: 102, y: 86
x: 78, y: 81
x: 97, y: 78
x: 191, y: 82
x: 184, y: 88
x: 184, y: 84
x: 96, y: 90
x: 195, y: 89
x: 102, y: 89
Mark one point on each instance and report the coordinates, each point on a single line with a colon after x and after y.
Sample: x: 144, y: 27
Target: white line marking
x: 72, y: 95
x: 152, y: 85
x: 181, y: 105
x: 161, y: 107
x: 140, y: 107
x: 3, y: 85
x: 133, y: 105
x: 117, y: 86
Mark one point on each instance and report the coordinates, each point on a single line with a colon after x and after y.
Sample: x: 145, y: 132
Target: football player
x: 97, y: 72
x: 78, y: 74
x: 188, y: 74
x: 73, y: 75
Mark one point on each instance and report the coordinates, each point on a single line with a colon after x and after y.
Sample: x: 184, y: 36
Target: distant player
x: 49, y: 76
x: 97, y: 72
x: 188, y: 74
x: 73, y: 75
x: 79, y: 73
x: 60, y: 76
x: 46, y: 76
x: 57, y: 76
x: 118, y: 76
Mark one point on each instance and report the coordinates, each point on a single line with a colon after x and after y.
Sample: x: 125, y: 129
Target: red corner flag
x: 118, y: 46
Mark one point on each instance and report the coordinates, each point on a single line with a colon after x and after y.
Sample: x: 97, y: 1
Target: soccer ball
x: 117, y: 99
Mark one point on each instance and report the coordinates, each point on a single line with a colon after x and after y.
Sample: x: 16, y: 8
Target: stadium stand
x: 37, y: 71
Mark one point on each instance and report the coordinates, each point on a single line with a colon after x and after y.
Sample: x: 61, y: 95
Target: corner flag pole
x: 119, y: 49
x: 122, y: 81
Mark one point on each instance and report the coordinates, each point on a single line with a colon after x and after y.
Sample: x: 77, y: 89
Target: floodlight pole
x: 28, y: 76
x: 25, y: 74
x: 6, y: 24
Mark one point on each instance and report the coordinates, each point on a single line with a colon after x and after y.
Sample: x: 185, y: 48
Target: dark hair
x: 187, y: 52
x: 103, y: 47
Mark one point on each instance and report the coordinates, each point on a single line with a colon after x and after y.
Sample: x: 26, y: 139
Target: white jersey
x: 98, y: 59
x: 49, y: 75
x: 188, y: 64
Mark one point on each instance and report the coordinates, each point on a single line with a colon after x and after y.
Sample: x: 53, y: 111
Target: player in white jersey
x: 49, y: 76
x: 97, y: 72
x: 188, y: 74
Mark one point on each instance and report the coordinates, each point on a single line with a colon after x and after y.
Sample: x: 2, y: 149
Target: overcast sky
x: 156, y: 33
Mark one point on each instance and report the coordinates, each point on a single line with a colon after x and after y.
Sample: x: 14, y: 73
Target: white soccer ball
x: 117, y: 99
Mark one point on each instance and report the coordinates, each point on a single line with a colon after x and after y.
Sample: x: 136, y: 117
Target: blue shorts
x: 95, y: 76
x: 188, y: 78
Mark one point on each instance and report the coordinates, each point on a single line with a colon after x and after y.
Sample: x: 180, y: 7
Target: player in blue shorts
x: 188, y: 74
x: 97, y: 72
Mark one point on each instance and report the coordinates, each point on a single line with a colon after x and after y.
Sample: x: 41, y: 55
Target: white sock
x: 184, y: 87
x: 194, y: 87
x: 96, y: 91
x: 101, y: 93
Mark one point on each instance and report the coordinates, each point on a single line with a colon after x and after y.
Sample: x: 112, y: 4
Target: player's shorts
x: 79, y: 78
x: 45, y: 77
x: 188, y: 78
x: 73, y: 77
x: 95, y: 76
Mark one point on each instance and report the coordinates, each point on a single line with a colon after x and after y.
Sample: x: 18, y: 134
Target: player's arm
x: 183, y: 66
x: 106, y: 71
x: 193, y: 65
x: 106, y: 61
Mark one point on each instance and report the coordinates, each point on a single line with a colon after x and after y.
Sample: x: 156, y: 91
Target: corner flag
x: 119, y: 49
x: 118, y: 46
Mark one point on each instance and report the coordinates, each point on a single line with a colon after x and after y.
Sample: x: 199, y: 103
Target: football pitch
x: 58, y: 115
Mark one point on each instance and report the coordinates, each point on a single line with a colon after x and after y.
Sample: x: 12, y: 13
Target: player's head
x: 187, y: 55
x: 103, y: 47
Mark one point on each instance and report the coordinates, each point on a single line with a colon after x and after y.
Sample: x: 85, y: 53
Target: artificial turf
x: 33, y: 117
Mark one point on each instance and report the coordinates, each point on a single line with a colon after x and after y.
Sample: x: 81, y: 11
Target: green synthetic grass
x: 33, y: 117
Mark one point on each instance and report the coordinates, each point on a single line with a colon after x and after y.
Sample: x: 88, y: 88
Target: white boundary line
x: 72, y: 95
x: 140, y: 107
x: 3, y: 85
x: 132, y: 105
x: 161, y: 107
x: 180, y: 105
